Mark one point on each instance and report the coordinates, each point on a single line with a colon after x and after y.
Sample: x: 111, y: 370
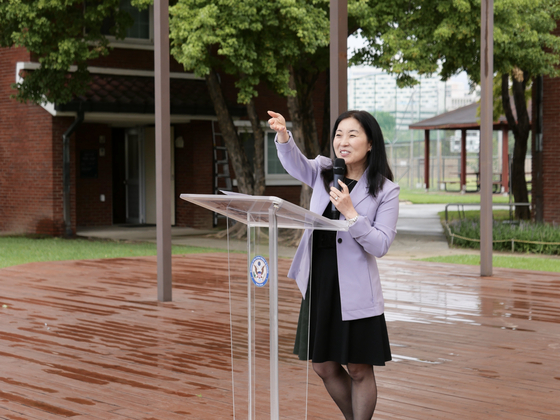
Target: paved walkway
x: 87, y: 340
x: 419, y: 235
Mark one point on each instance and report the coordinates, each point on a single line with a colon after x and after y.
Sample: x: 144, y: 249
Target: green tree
x: 256, y: 41
x: 443, y: 36
x: 60, y: 34
x: 388, y: 124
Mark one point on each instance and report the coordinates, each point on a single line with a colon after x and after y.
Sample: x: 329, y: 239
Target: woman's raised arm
x: 278, y: 124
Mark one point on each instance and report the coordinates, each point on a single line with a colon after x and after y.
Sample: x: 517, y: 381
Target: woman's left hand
x: 342, y: 201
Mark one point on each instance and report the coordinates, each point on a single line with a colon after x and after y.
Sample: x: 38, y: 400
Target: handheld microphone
x: 339, y: 170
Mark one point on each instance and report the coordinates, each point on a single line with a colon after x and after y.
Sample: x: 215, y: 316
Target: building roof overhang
x: 126, y: 96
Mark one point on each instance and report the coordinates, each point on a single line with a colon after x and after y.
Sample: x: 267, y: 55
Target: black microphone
x: 339, y: 170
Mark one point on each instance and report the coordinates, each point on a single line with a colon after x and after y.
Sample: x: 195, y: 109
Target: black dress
x: 362, y: 341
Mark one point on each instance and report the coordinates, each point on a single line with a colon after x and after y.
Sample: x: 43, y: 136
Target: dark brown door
x: 119, y: 176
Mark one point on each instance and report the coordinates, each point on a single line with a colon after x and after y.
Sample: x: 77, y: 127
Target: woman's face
x: 351, y: 143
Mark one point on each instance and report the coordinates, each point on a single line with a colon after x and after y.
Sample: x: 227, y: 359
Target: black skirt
x: 363, y: 341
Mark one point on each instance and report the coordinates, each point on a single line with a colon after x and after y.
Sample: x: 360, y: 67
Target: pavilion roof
x: 460, y: 118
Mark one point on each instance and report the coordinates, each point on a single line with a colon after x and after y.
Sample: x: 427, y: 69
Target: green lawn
x: 439, y: 197
x: 504, y: 261
x: 21, y: 250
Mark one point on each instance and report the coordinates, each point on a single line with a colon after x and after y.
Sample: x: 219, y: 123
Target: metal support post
x: 486, y: 83
x: 250, y: 401
x: 338, y: 58
x: 427, y: 159
x: 163, y: 149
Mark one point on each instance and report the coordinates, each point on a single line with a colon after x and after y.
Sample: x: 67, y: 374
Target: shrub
x: 519, y: 236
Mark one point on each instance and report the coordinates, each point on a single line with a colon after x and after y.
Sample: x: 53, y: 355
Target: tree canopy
x: 256, y: 40
x: 284, y: 43
x: 259, y: 39
x: 411, y: 37
x: 60, y: 34
x: 388, y: 124
x: 443, y: 37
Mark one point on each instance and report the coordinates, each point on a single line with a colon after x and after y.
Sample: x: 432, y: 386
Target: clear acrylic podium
x: 272, y: 213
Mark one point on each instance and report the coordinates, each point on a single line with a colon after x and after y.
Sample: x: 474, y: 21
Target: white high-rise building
x: 373, y: 90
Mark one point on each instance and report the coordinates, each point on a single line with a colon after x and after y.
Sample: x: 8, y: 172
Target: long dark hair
x: 376, y: 159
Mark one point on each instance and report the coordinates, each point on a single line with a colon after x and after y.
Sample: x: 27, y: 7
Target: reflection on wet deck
x: 87, y: 340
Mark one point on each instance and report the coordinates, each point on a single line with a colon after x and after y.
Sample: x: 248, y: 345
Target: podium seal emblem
x: 259, y: 271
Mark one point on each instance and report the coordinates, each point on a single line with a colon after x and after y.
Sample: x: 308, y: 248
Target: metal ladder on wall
x: 222, y: 178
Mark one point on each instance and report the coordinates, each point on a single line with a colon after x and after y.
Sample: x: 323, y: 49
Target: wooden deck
x: 88, y: 340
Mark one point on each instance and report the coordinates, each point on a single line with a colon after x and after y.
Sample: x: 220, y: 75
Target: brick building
x: 112, y: 152
x: 546, y: 148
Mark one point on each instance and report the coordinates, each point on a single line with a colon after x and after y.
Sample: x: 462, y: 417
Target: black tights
x: 354, y: 391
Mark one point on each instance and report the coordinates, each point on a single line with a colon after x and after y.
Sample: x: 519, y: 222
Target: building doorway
x: 119, y: 175
x: 134, y: 176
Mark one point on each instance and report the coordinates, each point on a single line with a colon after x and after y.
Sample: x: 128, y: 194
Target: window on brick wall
x: 274, y: 171
x: 141, y: 31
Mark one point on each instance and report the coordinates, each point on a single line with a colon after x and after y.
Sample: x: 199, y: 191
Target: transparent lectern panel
x: 239, y: 322
x: 250, y: 307
x: 259, y: 282
x: 257, y: 295
x: 293, y: 373
x: 238, y: 206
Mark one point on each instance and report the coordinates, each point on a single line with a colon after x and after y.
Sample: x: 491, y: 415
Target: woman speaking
x: 337, y: 271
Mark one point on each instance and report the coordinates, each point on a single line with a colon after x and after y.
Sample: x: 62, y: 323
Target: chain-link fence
x: 395, y: 109
x: 407, y: 163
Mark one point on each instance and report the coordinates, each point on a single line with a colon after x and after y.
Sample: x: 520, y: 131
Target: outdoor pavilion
x: 463, y: 119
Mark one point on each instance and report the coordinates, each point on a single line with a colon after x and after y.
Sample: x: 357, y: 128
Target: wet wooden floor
x: 88, y: 340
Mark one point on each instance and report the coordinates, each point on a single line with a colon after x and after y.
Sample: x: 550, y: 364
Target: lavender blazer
x: 357, y: 249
